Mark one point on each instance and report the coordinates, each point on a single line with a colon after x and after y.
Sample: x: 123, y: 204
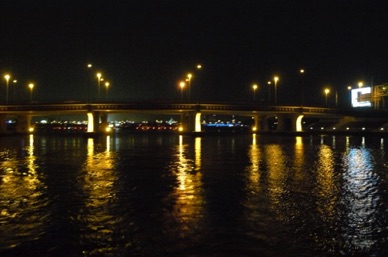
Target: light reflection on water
x: 171, y: 195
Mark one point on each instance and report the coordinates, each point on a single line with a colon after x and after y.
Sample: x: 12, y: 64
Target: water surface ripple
x: 172, y: 195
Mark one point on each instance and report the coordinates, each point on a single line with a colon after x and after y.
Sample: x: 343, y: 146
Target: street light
x: 276, y: 79
x: 107, y: 84
x: 360, y: 84
x: 301, y: 71
x: 98, y: 83
x: 31, y: 87
x: 7, y: 76
x: 189, y: 76
x: 182, y: 85
x: 269, y: 91
x: 327, y: 91
x: 254, y: 87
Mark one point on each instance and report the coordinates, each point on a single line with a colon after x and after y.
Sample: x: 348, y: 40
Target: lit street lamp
x: 7, y: 77
x: 360, y: 84
x: 189, y: 76
x: 31, y: 87
x: 182, y: 85
x: 327, y: 91
x: 276, y: 79
x: 254, y: 87
x: 301, y: 86
x: 269, y: 91
x: 107, y: 84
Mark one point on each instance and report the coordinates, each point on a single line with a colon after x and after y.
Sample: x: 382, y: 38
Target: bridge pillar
x: 23, y: 123
x: 3, y: 119
x: 104, y: 122
x: 290, y: 123
x: 90, y: 122
x: 256, y: 123
x: 264, y: 123
x: 94, y: 119
x: 191, y: 121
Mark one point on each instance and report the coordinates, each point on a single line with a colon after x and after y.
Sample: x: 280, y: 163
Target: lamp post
x: 7, y: 77
x: 254, y: 87
x: 301, y: 71
x: 182, y: 85
x: 327, y: 91
x: 31, y: 87
x: 189, y: 76
x: 276, y: 79
x: 269, y: 91
x: 107, y: 84
x: 13, y: 93
x: 98, y: 83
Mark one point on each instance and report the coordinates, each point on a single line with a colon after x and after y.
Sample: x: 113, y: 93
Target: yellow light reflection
x: 277, y: 171
x: 299, y: 159
x: 21, y: 195
x: 254, y: 157
x: 98, y: 180
x: 253, y: 185
x: 188, y: 194
x: 326, y: 188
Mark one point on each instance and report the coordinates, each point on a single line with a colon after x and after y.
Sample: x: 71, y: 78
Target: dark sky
x: 145, y: 47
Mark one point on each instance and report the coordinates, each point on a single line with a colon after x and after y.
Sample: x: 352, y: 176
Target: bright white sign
x: 361, y: 97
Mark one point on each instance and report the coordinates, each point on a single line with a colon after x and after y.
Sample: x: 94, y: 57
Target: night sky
x: 145, y: 47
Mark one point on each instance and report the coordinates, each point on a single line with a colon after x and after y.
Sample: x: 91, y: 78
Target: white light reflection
x: 361, y: 196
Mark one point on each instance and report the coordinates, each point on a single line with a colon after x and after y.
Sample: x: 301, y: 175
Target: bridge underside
x: 288, y: 118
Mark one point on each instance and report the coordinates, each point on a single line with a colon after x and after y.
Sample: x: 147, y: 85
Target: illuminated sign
x: 361, y: 97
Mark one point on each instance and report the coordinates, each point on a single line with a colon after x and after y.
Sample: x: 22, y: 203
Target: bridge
x: 289, y: 117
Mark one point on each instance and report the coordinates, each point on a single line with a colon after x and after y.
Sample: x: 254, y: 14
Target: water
x: 171, y: 195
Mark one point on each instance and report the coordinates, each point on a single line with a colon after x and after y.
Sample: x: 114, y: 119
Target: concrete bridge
x: 289, y: 117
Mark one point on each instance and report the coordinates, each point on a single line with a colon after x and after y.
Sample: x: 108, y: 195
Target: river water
x: 170, y: 195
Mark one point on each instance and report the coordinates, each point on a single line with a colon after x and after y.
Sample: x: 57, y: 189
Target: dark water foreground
x: 171, y: 195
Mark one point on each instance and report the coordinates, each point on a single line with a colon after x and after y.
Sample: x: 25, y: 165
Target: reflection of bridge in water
x: 289, y: 118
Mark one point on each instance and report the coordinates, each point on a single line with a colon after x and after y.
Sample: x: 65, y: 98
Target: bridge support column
x: 94, y: 119
x: 90, y: 122
x: 290, y: 123
x: 264, y: 122
x: 191, y: 122
x: 197, y: 122
x: 23, y: 123
x: 3, y: 119
x: 104, y: 127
